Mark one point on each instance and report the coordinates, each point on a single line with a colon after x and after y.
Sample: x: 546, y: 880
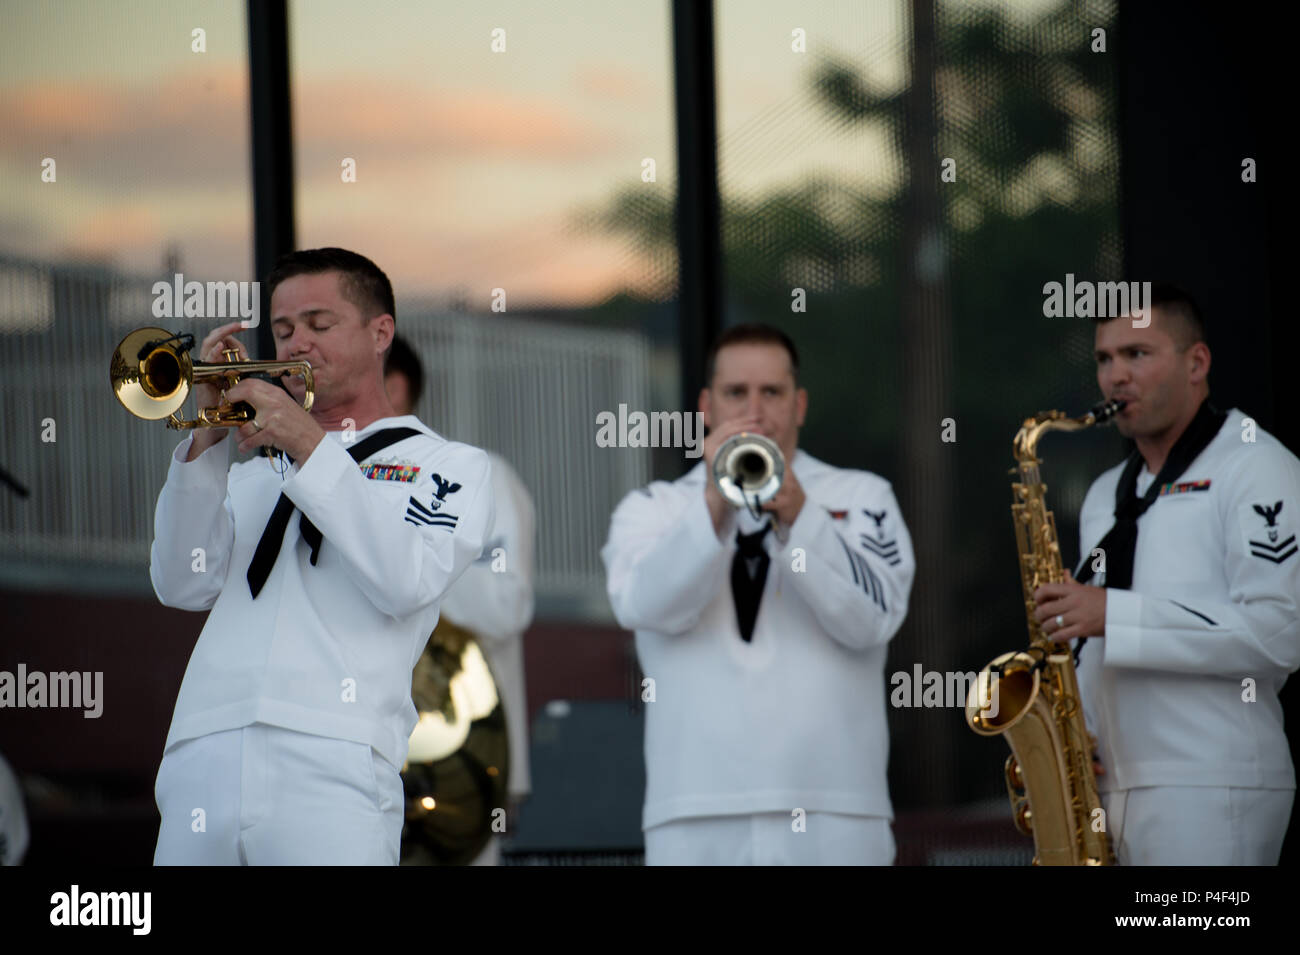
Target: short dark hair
x: 403, y: 360
x: 1188, y: 325
x: 750, y: 334
x: 362, y: 283
x: 1177, y: 302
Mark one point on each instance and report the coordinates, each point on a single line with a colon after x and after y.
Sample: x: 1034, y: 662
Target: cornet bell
x: 151, y: 376
x: 748, y: 470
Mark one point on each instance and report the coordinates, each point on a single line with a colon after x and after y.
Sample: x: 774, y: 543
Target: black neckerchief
x: 746, y: 583
x: 1120, y: 543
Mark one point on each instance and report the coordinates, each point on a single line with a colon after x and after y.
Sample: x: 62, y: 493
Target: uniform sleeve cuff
x: 210, y: 466
x: 1123, y: 639
x: 319, y: 474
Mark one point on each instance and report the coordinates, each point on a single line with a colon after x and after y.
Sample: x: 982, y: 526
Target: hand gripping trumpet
x: 1032, y: 696
x: 152, y: 375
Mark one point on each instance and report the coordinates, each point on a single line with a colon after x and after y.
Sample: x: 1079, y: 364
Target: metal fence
x: 529, y: 389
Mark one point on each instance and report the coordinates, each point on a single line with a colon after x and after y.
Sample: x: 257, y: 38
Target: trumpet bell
x: 748, y: 470
x: 151, y: 379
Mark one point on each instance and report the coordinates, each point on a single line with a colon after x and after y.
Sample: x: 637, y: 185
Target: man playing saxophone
x: 765, y: 634
x: 1193, y: 620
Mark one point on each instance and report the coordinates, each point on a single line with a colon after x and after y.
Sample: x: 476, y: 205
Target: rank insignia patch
x: 1273, y: 539
x: 1184, y: 487
x: 884, y: 545
x: 417, y: 513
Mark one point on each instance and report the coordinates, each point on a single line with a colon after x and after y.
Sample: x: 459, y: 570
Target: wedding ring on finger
x: 1060, y: 621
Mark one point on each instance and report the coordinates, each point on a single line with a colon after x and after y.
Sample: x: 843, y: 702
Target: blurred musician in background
x: 494, y: 597
x: 765, y: 635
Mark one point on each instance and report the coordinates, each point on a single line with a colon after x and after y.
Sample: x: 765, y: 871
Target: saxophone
x: 1032, y: 695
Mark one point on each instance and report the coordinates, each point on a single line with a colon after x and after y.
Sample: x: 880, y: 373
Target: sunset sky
x: 471, y: 165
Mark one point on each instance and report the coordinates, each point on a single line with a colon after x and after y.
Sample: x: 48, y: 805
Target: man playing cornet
x: 323, y: 572
x: 764, y: 635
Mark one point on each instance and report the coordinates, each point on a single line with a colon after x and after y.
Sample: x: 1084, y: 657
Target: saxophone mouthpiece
x: 1103, y: 411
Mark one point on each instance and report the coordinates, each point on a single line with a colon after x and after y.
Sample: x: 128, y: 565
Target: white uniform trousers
x: 1197, y: 825
x: 491, y: 854
x: 271, y: 796
x: 770, y: 839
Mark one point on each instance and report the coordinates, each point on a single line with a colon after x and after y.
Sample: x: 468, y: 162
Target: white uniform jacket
x: 326, y: 649
x: 1182, y: 691
x: 494, y: 599
x: 795, y: 718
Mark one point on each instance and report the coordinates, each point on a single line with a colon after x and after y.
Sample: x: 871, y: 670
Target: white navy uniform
x: 14, y: 834
x: 1182, y: 692
x: 497, y: 605
x: 295, y: 710
x: 742, y: 736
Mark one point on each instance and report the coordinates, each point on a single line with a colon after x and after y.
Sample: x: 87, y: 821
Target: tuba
x: 152, y: 375
x: 748, y: 470
x: 458, y: 761
x: 1032, y: 695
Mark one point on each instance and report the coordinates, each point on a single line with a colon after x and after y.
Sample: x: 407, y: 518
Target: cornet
x: 152, y: 375
x: 748, y: 470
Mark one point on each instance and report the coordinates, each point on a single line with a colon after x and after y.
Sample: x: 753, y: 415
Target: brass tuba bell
x: 152, y: 375
x: 458, y: 761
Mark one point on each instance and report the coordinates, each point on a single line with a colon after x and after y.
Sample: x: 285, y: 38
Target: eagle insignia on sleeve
x: 1278, y: 546
x: 432, y: 514
x: 443, y: 488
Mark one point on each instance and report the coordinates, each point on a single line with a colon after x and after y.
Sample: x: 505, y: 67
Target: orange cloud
x: 147, y: 161
x: 191, y: 128
x: 613, y: 82
x: 536, y: 262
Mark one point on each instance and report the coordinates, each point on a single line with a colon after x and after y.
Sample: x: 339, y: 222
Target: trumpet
x: 152, y: 375
x: 748, y: 470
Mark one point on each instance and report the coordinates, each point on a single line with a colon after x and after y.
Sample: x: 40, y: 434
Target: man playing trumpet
x: 764, y: 635
x: 323, y: 580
